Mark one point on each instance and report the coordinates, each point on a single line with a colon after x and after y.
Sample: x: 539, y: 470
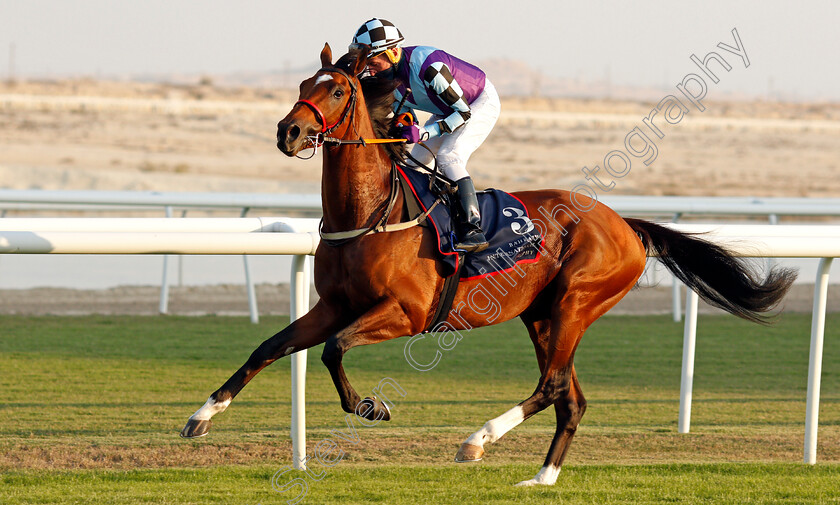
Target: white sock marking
x: 547, y: 476
x: 494, y: 429
x: 209, y: 409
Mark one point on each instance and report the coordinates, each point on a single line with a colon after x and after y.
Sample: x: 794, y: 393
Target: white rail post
x: 653, y: 269
x: 252, y: 294
x: 181, y: 260
x: 249, y: 284
x: 812, y: 408
x: 299, y: 304
x: 163, y: 307
x: 676, y: 297
x: 773, y: 219
x: 687, y: 377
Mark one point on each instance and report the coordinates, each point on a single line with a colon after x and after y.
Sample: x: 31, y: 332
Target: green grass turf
x: 90, y: 408
x: 729, y: 483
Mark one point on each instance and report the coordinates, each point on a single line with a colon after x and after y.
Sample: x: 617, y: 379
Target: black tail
x: 718, y: 277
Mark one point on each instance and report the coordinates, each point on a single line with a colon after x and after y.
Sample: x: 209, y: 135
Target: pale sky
x: 792, y: 46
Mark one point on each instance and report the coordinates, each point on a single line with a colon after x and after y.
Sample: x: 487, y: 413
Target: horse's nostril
x: 292, y: 133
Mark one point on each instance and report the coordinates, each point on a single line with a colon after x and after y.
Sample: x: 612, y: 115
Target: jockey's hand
x: 405, y: 119
x: 412, y: 133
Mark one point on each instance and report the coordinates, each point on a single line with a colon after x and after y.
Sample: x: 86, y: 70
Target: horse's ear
x: 326, y: 55
x: 361, y: 60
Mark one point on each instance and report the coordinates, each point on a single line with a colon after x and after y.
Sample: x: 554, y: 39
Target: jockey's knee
x: 453, y: 167
x: 456, y: 173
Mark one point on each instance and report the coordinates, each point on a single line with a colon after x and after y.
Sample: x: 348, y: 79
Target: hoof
x: 379, y: 412
x: 196, y: 428
x: 469, y: 453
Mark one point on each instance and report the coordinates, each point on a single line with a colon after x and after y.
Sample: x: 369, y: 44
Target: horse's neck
x: 355, y: 180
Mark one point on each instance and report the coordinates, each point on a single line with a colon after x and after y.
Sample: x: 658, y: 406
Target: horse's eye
x: 338, y: 93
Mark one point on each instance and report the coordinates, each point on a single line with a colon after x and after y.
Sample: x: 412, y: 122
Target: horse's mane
x: 379, y: 98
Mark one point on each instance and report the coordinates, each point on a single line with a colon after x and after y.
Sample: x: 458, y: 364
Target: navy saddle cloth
x: 512, y: 236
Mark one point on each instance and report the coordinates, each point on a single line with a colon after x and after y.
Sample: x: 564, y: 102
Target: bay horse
x: 382, y: 286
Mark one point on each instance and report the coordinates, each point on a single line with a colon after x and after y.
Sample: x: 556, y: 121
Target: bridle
x: 334, y: 239
x: 349, y: 109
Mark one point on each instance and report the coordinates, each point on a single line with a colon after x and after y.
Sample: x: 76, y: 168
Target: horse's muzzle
x: 290, y: 137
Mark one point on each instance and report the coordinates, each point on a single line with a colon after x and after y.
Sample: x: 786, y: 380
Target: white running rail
x: 759, y: 241
x: 674, y: 207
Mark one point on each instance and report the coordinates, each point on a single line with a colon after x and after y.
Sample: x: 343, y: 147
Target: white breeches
x: 454, y: 150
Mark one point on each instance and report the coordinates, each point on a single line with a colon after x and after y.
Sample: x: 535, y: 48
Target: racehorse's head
x: 326, y: 101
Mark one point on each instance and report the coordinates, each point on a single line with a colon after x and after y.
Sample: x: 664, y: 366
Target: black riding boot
x: 472, y: 238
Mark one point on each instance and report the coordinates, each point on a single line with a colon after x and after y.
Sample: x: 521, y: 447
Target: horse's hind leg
x: 586, y: 288
x: 310, y: 330
x: 569, y: 410
x: 555, y: 341
x: 551, y: 386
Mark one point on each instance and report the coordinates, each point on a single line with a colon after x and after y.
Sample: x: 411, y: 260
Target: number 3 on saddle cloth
x: 512, y: 236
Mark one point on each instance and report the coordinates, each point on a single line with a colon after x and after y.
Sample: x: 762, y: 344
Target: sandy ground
x: 123, y: 136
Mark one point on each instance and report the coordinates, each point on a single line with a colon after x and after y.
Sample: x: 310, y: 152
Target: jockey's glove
x: 413, y: 133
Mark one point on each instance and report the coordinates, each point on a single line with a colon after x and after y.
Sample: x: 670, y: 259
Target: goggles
x: 393, y: 56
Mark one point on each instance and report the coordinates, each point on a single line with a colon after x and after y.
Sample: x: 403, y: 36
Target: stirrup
x: 473, y: 241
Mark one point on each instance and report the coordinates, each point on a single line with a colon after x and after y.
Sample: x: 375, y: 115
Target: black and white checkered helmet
x: 379, y: 34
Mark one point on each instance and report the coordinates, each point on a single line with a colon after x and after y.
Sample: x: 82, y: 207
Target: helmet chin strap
x: 393, y: 54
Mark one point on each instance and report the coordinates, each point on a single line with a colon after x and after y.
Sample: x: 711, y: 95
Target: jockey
x: 463, y: 103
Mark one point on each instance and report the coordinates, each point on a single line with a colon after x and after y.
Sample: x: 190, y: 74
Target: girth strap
x: 343, y: 235
x: 447, y: 295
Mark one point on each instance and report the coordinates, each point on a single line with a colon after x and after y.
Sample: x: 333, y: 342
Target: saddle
x: 512, y: 236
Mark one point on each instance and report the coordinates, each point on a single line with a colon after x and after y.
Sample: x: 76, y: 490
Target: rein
x: 334, y: 239
x: 349, y: 110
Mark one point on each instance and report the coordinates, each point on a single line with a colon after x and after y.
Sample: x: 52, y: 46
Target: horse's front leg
x: 310, y: 330
x: 383, y: 322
